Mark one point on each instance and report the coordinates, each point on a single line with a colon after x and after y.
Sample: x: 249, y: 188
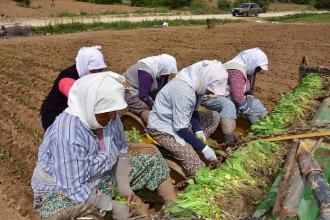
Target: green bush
x: 301, y: 2
x: 322, y: 4
x: 224, y: 5
x: 158, y: 3
x: 102, y: 1
x: 264, y: 4
x: 23, y: 3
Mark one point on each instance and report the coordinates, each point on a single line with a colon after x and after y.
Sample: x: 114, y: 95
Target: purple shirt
x: 145, y: 83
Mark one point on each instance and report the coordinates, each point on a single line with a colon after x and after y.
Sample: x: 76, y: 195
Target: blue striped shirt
x: 70, y: 155
x: 173, y: 108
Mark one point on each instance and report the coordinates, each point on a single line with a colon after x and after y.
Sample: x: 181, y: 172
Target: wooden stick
x: 288, y: 172
x: 313, y: 173
x: 304, y: 68
x: 298, y: 136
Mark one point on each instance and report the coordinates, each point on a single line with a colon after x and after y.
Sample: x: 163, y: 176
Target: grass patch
x: 158, y: 10
x: 303, y: 18
x: 23, y: 3
x: 64, y: 14
x: 120, y: 25
x: 5, y: 155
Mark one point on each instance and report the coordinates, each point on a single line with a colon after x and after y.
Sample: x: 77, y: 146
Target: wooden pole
x: 313, y: 173
x: 304, y: 68
x: 289, y: 169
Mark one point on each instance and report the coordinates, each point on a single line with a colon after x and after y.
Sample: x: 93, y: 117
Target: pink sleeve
x: 65, y: 85
x: 237, y: 85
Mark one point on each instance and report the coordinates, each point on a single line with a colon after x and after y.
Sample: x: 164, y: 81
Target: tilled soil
x: 29, y: 65
x: 44, y: 8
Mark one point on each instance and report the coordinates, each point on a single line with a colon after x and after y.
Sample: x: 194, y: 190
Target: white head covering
x: 204, y: 75
x: 250, y: 59
x: 89, y: 58
x: 94, y: 94
x: 116, y: 76
x: 163, y: 64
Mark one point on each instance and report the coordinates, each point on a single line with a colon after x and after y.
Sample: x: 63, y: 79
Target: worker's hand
x: 129, y: 199
x: 201, y: 136
x: 253, y: 118
x: 126, y: 191
x: 249, y: 100
x: 122, y: 176
x: 120, y: 211
x: 209, y: 153
x: 243, y: 107
x: 100, y: 200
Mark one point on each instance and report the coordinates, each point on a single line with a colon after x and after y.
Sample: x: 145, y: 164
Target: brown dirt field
x: 42, y: 8
x: 28, y: 65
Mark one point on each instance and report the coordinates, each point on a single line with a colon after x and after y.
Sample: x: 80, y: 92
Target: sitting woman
x: 84, y: 157
x: 174, y: 115
x: 242, y: 72
x: 89, y: 60
x: 145, y: 79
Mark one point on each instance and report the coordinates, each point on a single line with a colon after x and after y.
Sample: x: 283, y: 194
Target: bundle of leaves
x: 248, y: 168
x: 291, y: 106
x: 239, y: 172
x: 133, y: 136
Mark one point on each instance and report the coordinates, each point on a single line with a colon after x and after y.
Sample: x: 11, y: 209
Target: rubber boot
x: 144, y: 116
x: 166, y: 191
x: 228, y: 126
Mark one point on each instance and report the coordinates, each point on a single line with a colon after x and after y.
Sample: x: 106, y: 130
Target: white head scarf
x: 206, y: 74
x: 250, y: 59
x: 161, y: 65
x: 89, y: 58
x: 94, y: 94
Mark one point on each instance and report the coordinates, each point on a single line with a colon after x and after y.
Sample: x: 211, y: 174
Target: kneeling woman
x: 89, y: 60
x: 84, y: 158
x: 146, y: 79
x: 242, y: 72
x: 174, y: 115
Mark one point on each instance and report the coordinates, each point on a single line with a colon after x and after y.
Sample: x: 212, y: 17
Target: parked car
x: 247, y: 9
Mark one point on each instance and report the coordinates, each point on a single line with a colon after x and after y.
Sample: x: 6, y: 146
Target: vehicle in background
x: 247, y: 9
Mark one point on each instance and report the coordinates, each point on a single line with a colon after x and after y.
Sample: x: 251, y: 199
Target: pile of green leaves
x: 233, y: 177
x: 245, y: 168
x: 291, y: 106
x: 133, y: 136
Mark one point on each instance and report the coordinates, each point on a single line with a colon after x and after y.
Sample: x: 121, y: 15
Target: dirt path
x: 28, y: 66
x: 111, y: 18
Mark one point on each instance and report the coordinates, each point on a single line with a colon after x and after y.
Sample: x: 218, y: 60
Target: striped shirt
x: 71, y: 156
x: 173, y: 109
